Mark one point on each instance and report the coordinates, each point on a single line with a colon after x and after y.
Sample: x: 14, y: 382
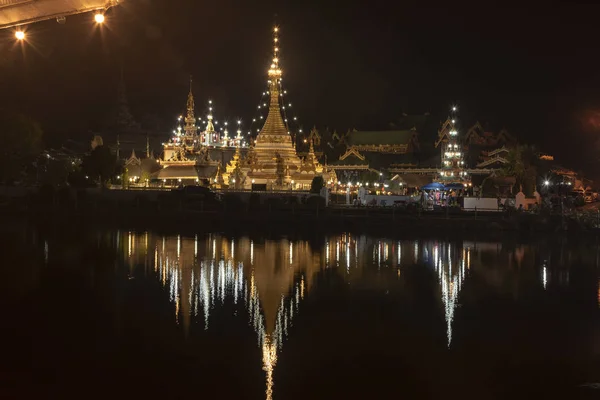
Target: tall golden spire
x: 274, y: 124
x: 275, y: 71
x: 190, y: 118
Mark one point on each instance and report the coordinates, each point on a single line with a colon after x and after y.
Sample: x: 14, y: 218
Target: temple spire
x: 274, y: 124
x: 190, y: 119
x: 147, y: 146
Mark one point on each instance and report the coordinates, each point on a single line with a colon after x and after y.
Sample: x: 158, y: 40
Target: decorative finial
x: 275, y: 71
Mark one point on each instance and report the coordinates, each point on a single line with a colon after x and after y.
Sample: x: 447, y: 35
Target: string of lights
x: 453, y: 165
x: 207, y: 130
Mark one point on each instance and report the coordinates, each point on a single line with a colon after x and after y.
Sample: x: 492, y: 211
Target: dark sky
x: 532, y: 69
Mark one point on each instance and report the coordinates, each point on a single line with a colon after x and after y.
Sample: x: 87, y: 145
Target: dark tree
x: 20, y: 144
x: 317, y: 184
x: 100, y: 165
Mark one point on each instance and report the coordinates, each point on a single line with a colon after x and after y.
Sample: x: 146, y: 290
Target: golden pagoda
x: 273, y: 160
x: 185, y: 159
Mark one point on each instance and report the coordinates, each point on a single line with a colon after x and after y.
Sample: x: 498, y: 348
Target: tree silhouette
x: 100, y: 165
x: 20, y: 144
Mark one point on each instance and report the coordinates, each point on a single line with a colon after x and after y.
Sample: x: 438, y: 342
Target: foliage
x: 77, y: 178
x: 317, y: 184
x: 523, y: 165
x: 20, y: 144
x: 54, y: 171
x: 100, y: 165
x: 125, y: 178
x: 145, y: 178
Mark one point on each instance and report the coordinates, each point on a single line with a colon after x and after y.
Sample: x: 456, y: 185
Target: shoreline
x: 390, y: 222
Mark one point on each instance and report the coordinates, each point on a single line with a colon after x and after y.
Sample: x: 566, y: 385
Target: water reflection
x: 270, y: 279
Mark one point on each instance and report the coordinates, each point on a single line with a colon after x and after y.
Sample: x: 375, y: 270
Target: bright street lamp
x: 20, y: 35
x: 99, y: 18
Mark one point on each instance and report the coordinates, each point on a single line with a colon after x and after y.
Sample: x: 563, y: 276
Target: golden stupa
x: 273, y: 160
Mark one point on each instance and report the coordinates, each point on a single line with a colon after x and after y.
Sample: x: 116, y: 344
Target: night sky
x: 533, y: 70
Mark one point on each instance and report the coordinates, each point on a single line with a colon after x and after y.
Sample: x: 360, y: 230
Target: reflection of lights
x: 544, y: 277
x: 399, y: 256
x: 416, y: 250
x: 348, y: 257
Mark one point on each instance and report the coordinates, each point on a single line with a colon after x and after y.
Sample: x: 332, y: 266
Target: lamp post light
x: 99, y: 18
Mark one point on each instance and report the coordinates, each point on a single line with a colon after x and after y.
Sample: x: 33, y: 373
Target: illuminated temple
x: 185, y: 159
x: 270, y: 163
x: 273, y: 163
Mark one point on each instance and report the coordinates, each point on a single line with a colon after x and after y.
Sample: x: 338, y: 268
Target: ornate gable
x: 475, y: 134
x: 352, y: 151
x: 133, y: 160
x: 444, y: 132
x: 505, y: 137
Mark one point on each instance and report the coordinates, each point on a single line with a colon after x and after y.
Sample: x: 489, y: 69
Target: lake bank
x: 329, y: 220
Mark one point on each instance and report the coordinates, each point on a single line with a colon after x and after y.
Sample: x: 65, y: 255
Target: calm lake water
x: 121, y: 314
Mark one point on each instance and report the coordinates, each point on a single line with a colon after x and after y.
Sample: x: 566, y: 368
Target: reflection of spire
x: 271, y: 290
x: 269, y: 351
x: 451, y: 280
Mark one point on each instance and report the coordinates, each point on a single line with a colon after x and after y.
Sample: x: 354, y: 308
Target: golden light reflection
x: 270, y: 279
x: 246, y: 273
